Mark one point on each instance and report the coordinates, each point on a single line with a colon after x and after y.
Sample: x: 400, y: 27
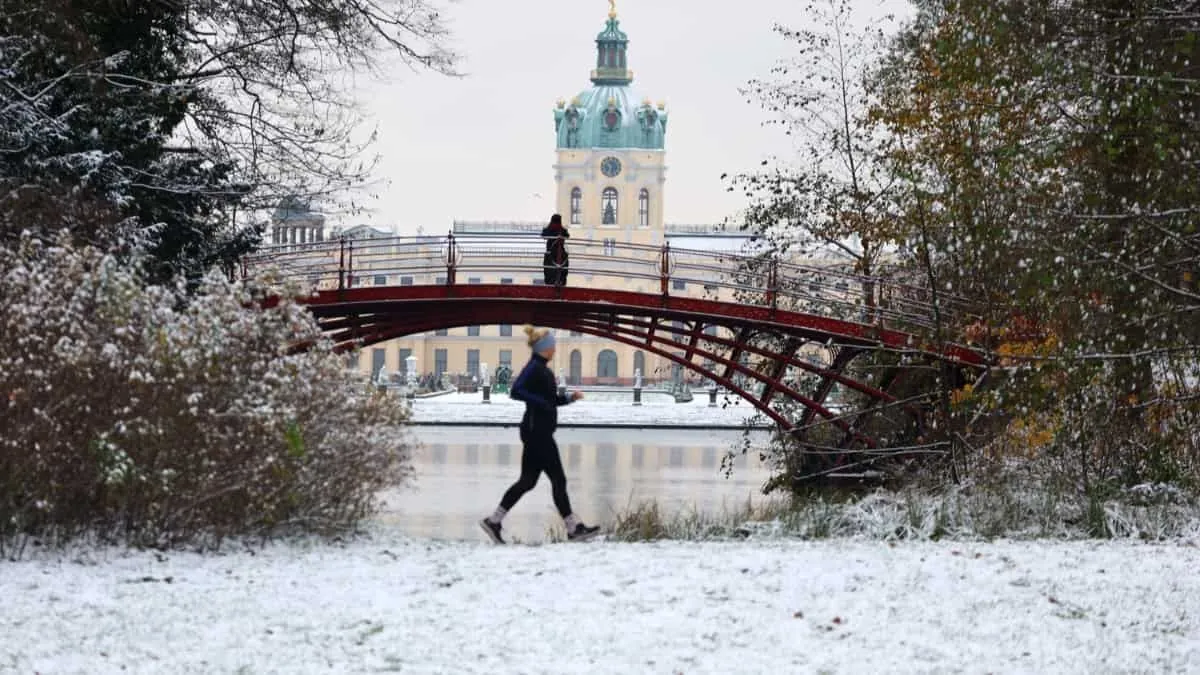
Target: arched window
x: 575, y: 374
x: 576, y: 205
x: 639, y: 363
x: 644, y: 208
x: 606, y: 364
x: 608, y: 206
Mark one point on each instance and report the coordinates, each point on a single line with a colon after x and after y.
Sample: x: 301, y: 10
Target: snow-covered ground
x: 401, y: 605
x: 597, y: 408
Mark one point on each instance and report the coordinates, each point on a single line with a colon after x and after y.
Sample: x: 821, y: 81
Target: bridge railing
x: 758, y: 279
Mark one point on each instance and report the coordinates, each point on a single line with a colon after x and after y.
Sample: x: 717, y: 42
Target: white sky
x: 481, y: 147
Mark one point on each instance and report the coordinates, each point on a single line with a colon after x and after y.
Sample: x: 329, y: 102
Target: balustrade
x: 749, y: 279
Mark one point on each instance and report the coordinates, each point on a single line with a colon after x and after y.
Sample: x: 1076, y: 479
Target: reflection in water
x: 463, y: 471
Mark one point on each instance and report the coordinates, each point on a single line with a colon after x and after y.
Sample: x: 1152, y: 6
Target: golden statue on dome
x: 612, y: 9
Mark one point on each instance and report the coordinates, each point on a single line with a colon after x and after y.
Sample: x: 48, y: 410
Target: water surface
x: 463, y: 471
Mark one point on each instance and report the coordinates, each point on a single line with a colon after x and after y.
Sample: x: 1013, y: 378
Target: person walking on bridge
x: 555, y: 261
x: 535, y: 386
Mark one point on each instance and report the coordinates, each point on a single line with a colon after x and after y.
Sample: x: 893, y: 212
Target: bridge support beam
x: 778, y: 368
x: 673, y: 351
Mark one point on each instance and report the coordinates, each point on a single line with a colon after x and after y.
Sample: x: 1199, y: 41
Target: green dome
x: 609, y: 115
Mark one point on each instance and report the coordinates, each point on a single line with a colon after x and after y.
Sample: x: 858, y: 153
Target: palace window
x: 473, y: 362
x: 506, y: 330
x: 378, y: 359
x: 576, y: 205
x: 606, y: 364
x: 440, y: 362
x: 608, y: 206
x: 575, y: 371
x: 644, y: 208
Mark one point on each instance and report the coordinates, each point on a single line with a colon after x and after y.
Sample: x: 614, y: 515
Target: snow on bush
x: 149, y: 415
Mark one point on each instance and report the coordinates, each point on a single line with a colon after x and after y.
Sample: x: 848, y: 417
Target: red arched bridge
x: 840, y: 362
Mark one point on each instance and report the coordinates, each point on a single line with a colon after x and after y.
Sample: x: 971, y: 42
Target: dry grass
x: 966, y: 513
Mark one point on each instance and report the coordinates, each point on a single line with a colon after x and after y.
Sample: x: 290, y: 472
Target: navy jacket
x: 536, y: 387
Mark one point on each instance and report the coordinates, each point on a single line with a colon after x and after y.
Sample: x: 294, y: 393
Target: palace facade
x: 610, y: 176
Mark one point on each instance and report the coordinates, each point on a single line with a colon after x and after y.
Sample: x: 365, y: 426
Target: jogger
x: 535, y: 386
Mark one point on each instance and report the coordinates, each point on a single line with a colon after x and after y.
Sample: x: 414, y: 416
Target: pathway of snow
x: 749, y: 607
x: 605, y: 408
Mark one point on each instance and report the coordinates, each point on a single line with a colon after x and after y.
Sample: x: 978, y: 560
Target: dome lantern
x: 612, y: 44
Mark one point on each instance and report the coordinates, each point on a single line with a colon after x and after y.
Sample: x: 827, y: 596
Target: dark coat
x: 535, y: 386
x: 556, y: 258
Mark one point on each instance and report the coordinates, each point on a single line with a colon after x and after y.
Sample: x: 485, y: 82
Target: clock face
x: 611, y: 166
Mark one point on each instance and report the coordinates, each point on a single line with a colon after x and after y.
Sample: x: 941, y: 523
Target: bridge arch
x: 743, y: 329
x: 672, y: 340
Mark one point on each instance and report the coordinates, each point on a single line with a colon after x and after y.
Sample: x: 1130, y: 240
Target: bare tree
x: 283, y: 72
x: 829, y: 196
x: 177, y: 120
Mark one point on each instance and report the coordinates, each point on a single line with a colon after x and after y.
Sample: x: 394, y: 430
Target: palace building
x: 610, y: 176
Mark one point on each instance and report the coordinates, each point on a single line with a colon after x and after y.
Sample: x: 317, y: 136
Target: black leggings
x: 539, y: 454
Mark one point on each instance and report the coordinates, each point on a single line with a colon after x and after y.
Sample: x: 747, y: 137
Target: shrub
x: 159, y: 417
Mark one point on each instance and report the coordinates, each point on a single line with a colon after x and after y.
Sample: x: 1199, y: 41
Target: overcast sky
x: 481, y: 147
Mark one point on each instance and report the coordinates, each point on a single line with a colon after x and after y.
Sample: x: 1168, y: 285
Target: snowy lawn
x: 750, y: 607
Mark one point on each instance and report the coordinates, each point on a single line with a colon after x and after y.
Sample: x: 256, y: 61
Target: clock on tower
x: 610, y: 166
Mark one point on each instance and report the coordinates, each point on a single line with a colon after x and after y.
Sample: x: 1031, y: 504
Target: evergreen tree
x: 103, y: 90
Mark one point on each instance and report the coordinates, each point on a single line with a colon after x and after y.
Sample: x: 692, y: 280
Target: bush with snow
x: 161, y: 417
